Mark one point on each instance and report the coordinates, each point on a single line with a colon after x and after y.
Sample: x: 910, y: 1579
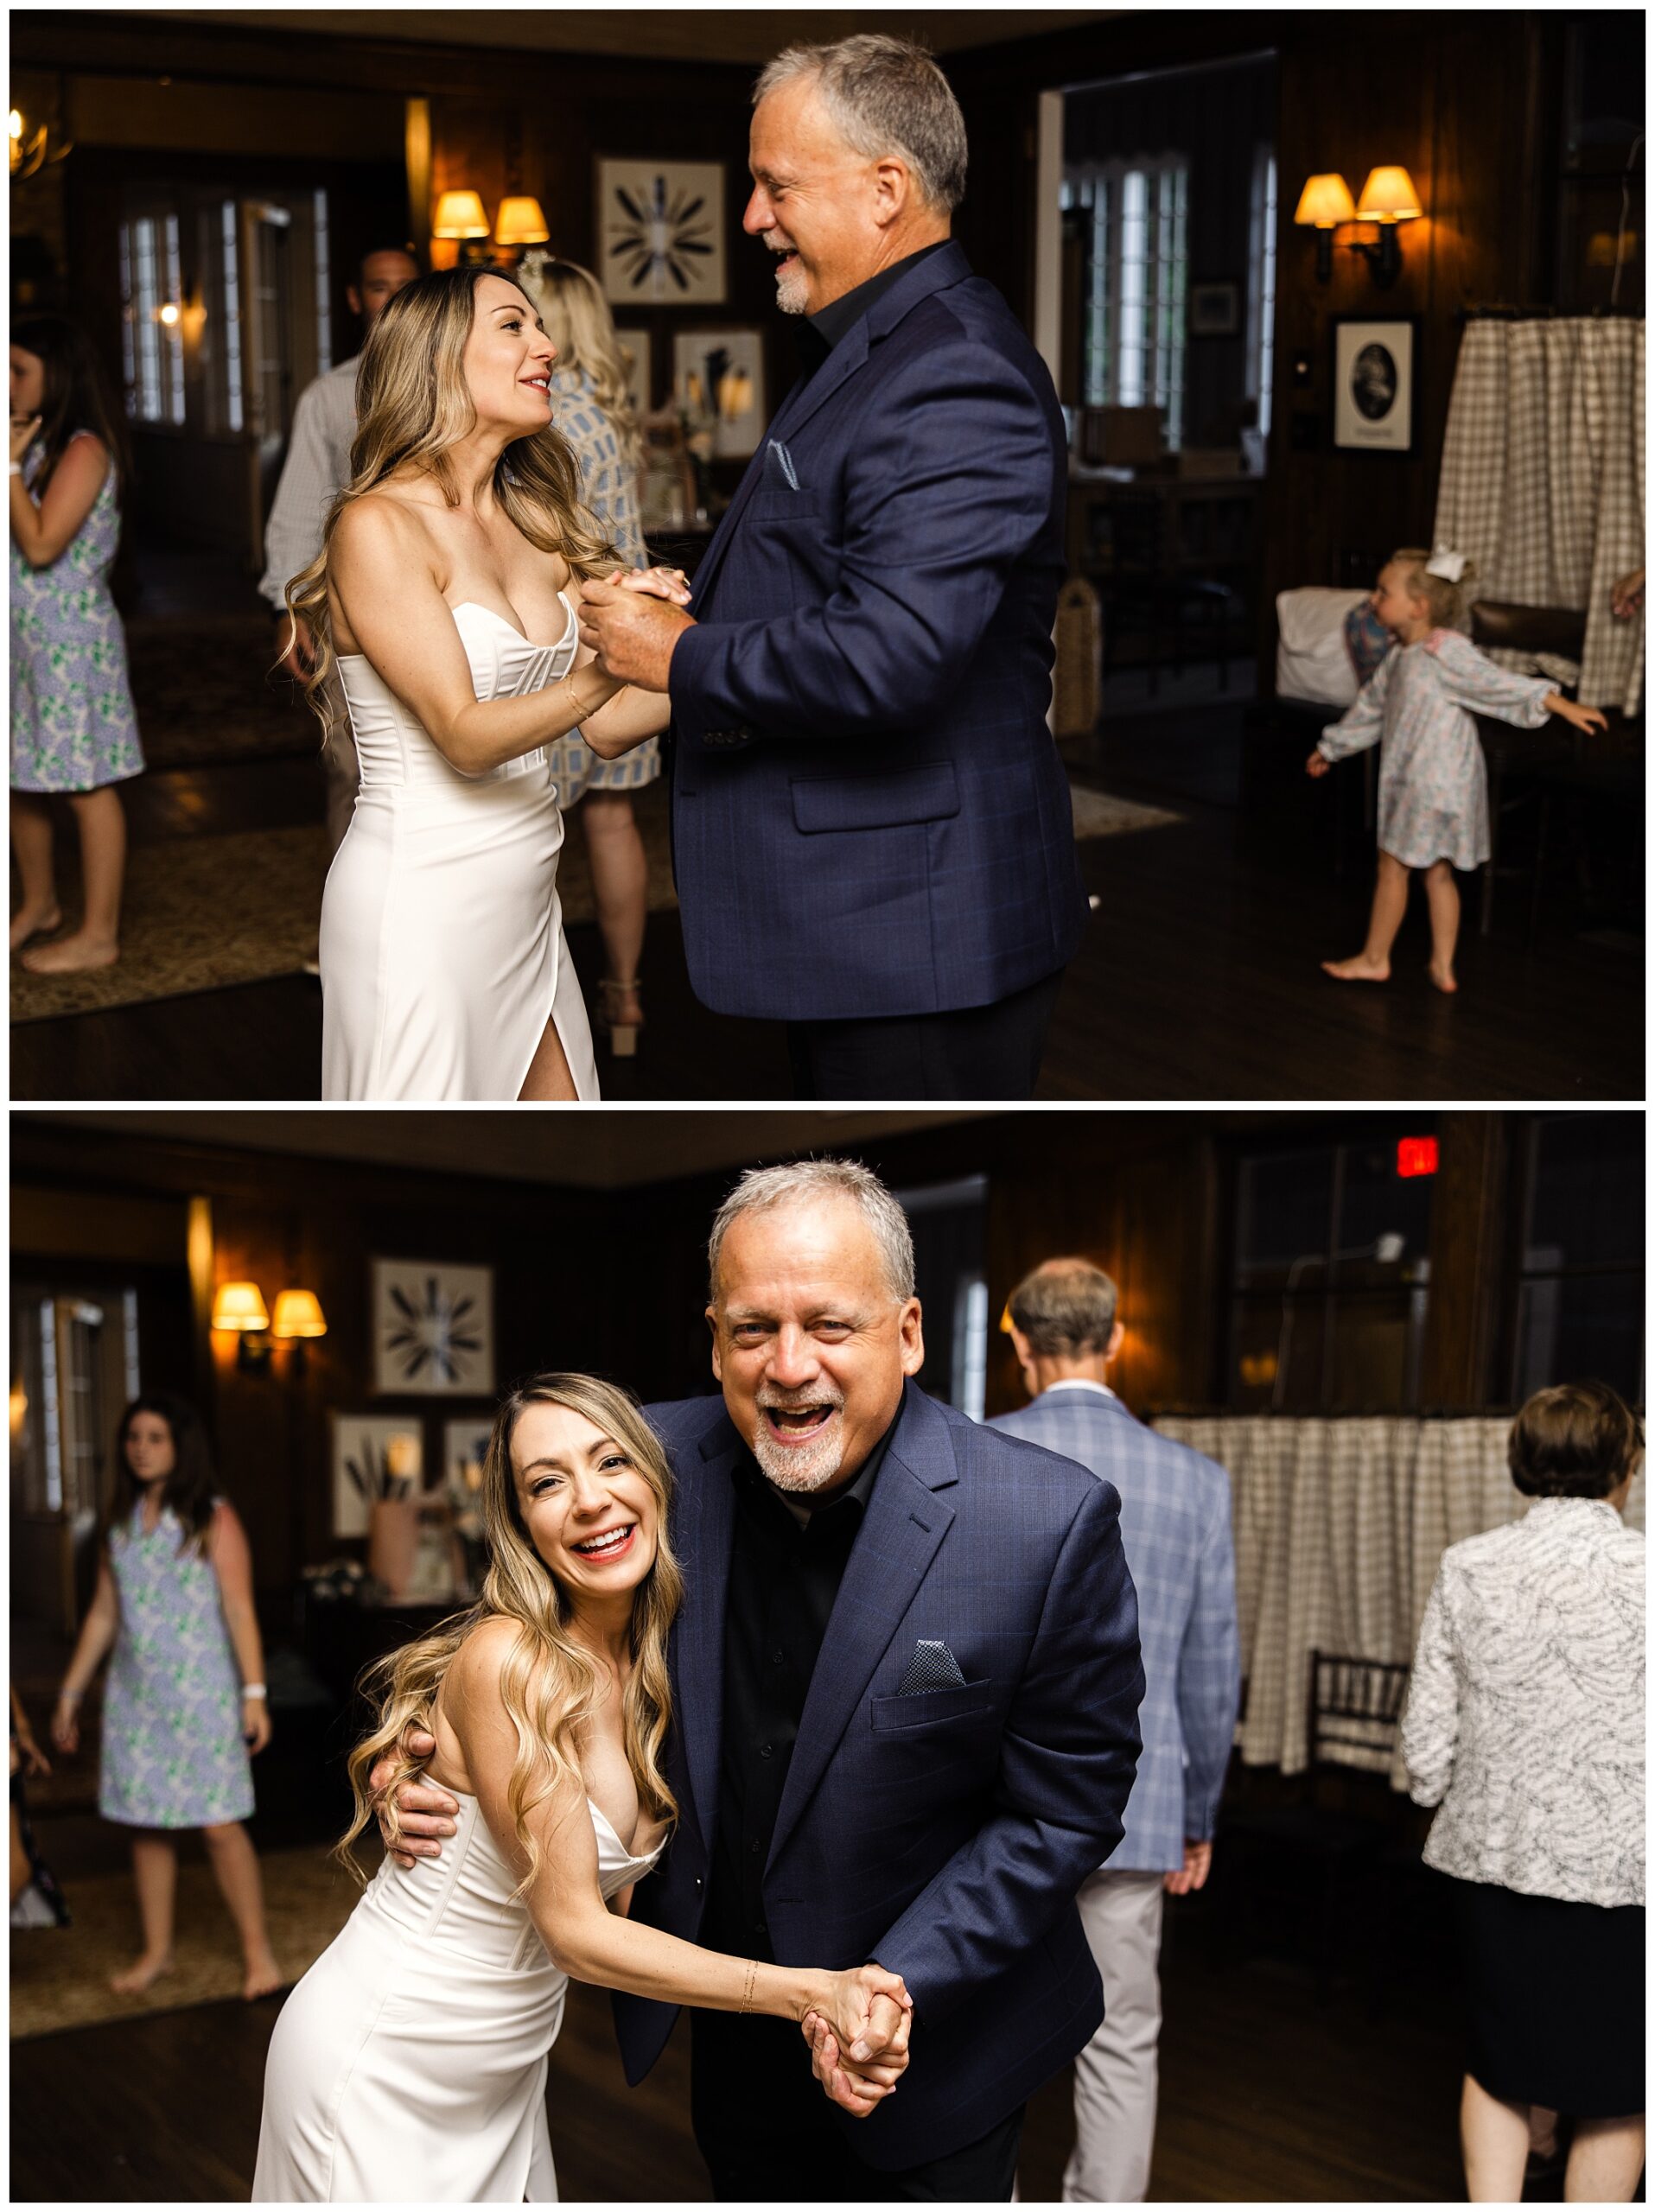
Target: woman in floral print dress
x: 185, y: 1702
x: 1419, y: 706
x: 72, y: 726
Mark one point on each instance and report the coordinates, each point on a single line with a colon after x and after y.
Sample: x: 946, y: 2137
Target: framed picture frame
x: 660, y: 232
x: 433, y: 1327
x: 719, y: 374
x: 1375, y: 398
x: 1213, y: 310
x: 373, y: 1456
x: 636, y: 350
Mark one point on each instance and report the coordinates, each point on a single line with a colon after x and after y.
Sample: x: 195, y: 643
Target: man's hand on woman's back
x: 425, y: 1813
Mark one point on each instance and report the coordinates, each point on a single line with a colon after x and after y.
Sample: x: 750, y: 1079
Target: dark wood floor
x: 1198, y: 978
x: 1265, y: 2095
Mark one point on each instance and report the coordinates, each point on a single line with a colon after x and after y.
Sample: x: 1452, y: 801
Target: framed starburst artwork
x: 433, y: 1329
x: 661, y: 233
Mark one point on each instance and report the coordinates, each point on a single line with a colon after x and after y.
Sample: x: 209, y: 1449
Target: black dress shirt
x: 819, y: 334
x: 783, y: 1580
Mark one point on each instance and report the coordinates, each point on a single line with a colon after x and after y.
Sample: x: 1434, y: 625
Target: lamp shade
x: 1325, y: 201
x: 1388, y: 197
x: 521, y: 222
x: 459, y: 215
x: 298, y: 1313
x: 239, y: 1306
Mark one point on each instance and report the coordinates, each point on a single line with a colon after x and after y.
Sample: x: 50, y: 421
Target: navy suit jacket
x: 944, y: 1832
x: 869, y: 815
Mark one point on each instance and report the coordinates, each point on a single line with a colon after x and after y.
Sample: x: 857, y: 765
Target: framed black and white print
x: 1214, y: 310
x: 635, y: 351
x: 661, y: 233
x: 1374, y: 400
x: 433, y: 1329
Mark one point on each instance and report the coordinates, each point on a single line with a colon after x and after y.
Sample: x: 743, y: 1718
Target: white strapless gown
x: 442, y: 951
x: 410, y: 2064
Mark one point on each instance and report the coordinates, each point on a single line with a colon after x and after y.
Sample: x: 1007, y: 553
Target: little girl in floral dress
x: 1433, y: 787
x: 185, y: 1702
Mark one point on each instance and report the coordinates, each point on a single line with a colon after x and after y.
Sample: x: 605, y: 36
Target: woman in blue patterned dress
x: 185, y: 1700
x: 590, y: 407
x: 1418, y: 704
x: 73, y: 730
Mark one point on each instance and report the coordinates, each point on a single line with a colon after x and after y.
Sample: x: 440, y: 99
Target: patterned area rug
x: 60, y: 1976
x: 204, y: 694
x: 200, y: 913
x: 208, y: 913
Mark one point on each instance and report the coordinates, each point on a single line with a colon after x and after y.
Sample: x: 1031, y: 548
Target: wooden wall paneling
x: 1468, y: 1232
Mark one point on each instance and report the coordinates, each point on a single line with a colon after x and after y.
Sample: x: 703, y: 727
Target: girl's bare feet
x: 1443, y: 978
x: 72, y: 956
x: 1360, y: 969
x: 263, y: 1976
x: 34, y: 921
x: 138, y: 1976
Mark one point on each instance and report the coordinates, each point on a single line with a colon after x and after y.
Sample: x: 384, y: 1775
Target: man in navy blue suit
x: 905, y: 1681
x: 872, y: 830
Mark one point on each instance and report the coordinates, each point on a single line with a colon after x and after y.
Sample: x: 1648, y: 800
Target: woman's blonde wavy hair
x: 413, y: 406
x: 577, y: 321
x: 551, y: 1683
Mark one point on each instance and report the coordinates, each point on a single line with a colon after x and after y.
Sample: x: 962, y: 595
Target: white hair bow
x: 1448, y: 564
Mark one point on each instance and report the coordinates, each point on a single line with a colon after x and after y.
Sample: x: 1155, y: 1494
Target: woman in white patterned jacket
x: 590, y: 407
x: 1525, y: 1728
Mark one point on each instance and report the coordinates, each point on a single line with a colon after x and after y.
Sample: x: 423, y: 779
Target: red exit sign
x: 1416, y: 1156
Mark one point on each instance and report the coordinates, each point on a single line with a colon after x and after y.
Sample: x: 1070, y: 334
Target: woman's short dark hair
x: 76, y: 395
x: 189, y: 1490
x: 1575, y: 1440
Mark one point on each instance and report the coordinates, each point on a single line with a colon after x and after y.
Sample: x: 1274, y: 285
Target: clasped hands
x: 632, y: 622
x: 858, y: 2056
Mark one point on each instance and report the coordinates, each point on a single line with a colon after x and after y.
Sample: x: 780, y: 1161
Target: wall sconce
x: 520, y: 221
x: 27, y: 154
x: 239, y: 1307
x: 1388, y: 197
x: 1326, y: 202
x: 459, y: 215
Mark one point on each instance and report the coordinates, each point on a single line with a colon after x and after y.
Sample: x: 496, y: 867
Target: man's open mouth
x: 797, y: 1425
x: 611, y: 1544
x: 785, y: 260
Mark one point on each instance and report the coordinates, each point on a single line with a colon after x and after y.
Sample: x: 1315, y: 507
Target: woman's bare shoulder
x: 385, y: 516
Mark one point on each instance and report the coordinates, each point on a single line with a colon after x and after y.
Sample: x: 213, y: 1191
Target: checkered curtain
x: 1543, y: 483
x: 1340, y: 1526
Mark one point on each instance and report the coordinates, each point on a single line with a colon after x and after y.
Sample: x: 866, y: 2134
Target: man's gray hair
x: 1065, y: 1308
x: 799, y: 1184
x: 885, y: 96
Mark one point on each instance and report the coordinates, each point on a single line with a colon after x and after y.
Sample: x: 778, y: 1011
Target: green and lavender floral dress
x: 72, y: 724
x: 173, y: 1756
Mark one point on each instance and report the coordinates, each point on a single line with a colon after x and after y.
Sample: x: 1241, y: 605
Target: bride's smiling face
x: 589, y: 1512
x: 508, y: 358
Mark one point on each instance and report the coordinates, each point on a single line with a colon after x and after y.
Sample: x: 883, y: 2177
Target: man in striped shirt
x: 317, y: 467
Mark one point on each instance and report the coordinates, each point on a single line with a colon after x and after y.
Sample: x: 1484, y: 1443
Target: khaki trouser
x: 1116, y: 2075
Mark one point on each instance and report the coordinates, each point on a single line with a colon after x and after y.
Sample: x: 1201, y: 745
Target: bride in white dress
x: 443, y: 598
x: 410, y: 2064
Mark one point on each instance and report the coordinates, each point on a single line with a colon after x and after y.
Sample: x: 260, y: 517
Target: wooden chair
x: 1325, y: 1849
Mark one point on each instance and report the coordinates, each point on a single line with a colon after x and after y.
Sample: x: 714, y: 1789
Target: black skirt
x: 1554, y: 1991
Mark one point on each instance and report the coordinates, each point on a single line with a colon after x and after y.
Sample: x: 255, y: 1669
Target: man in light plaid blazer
x: 1175, y: 1529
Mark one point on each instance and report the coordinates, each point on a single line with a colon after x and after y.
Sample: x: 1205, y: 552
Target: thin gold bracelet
x: 745, y: 2004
